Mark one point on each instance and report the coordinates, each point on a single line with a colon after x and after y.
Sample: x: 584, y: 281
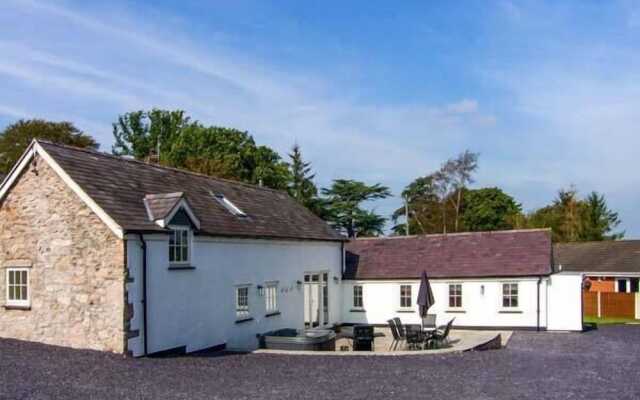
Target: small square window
x: 510, y: 295
x: 455, y: 295
x: 18, y: 290
x: 405, y: 296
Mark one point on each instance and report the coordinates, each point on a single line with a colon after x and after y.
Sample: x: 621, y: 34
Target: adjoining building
x: 501, y: 280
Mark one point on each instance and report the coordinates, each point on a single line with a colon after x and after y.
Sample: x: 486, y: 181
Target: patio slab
x: 461, y: 340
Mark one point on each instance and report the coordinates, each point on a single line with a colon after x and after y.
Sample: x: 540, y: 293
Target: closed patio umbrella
x: 425, y: 295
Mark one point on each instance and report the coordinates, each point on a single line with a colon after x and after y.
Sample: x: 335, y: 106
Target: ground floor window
x: 455, y: 295
x: 18, y: 293
x: 509, y: 295
x: 242, y: 302
x: 357, y: 296
x: 405, y: 296
x: 271, y: 297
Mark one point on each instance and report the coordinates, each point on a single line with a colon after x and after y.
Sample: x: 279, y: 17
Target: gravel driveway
x: 600, y: 364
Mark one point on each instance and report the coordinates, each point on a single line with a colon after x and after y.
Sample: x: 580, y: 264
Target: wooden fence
x: 609, y: 305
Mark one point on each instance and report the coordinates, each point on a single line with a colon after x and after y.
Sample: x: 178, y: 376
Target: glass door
x: 316, y: 300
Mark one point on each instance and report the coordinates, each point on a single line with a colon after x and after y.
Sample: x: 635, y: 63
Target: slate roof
x: 119, y: 186
x: 461, y: 255
x: 606, y: 256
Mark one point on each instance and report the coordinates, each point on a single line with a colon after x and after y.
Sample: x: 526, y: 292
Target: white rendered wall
x: 481, y: 303
x: 565, y: 302
x: 196, y: 308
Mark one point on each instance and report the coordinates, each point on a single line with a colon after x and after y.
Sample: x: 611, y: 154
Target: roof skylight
x: 226, y: 203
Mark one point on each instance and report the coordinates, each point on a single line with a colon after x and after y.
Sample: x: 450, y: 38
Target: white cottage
x: 496, y: 280
x: 107, y: 253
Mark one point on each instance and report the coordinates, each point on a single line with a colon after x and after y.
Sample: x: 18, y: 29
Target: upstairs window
x: 509, y: 295
x: 357, y: 296
x: 179, y: 245
x: 405, y: 296
x: 18, y: 292
x: 455, y: 295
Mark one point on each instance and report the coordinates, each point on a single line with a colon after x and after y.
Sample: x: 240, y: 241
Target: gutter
x: 144, y: 291
x: 538, y: 306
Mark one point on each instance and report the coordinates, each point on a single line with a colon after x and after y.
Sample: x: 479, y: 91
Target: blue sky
x: 547, y: 92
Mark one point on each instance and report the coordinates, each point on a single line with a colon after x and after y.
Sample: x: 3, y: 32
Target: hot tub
x: 298, y: 339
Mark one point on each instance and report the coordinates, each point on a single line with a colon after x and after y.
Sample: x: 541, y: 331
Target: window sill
x: 16, y: 307
x: 454, y: 311
x: 272, y: 314
x: 179, y: 267
x: 405, y: 311
x: 243, y: 320
x: 358, y: 310
x: 510, y: 312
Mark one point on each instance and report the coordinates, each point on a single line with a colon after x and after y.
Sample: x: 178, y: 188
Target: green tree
x: 301, y: 185
x: 171, y: 138
x: 148, y: 135
x: 489, y: 209
x: 572, y: 219
x: 344, y: 201
x: 599, y: 220
x: 15, y: 138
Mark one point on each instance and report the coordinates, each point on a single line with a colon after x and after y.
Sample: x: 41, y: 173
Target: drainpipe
x: 538, y: 309
x: 144, y: 291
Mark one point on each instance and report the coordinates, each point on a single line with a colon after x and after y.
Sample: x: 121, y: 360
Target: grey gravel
x: 600, y: 364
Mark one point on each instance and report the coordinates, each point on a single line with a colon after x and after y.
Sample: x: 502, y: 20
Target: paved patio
x: 460, y: 340
x: 601, y: 364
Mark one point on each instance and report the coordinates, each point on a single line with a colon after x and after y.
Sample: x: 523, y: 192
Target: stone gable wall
x: 77, y: 275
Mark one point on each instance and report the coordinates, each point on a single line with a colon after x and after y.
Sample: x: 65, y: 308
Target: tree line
x: 437, y: 202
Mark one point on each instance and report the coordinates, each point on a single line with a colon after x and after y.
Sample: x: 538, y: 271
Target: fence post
x: 637, y: 305
x: 599, y: 305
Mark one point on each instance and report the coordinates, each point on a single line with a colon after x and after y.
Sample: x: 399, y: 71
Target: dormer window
x: 226, y: 203
x: 179, y: 245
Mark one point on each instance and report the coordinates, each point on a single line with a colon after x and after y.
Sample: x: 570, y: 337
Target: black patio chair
x: 415, y: 336
x: 363, y: 338
x: 396, y: 336
x: 400, y: 327
x: 429, y: 321
x: 441, y: 335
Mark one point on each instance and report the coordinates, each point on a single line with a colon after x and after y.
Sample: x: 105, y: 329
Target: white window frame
x: 173, y: 230
x: 410, y: 297
x: 18, y: 302
x: 510, y: 296
x: 358, y: 295
x: 271, y: 297
x: 243, y: 311
x: 456, y: 294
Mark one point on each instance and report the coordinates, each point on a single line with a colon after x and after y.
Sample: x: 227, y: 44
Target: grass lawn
x: 608, y: 321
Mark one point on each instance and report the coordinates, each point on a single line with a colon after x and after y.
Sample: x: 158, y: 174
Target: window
x: 226, y: 203
x: 509, y: 295
x: 455, y: 295
x: 357, y: 296
x: 271, y: 297
x: 18, y: 287
x: 405, y: 296
x: 242, y: 302
x: 179, y: 245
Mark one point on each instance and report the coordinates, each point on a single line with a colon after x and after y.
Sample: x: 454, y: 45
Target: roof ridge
x: 174, y: 169
x: 597, y: 242
x: 477, y: 233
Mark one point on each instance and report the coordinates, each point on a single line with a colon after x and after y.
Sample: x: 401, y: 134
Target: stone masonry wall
x: 77, y: 274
